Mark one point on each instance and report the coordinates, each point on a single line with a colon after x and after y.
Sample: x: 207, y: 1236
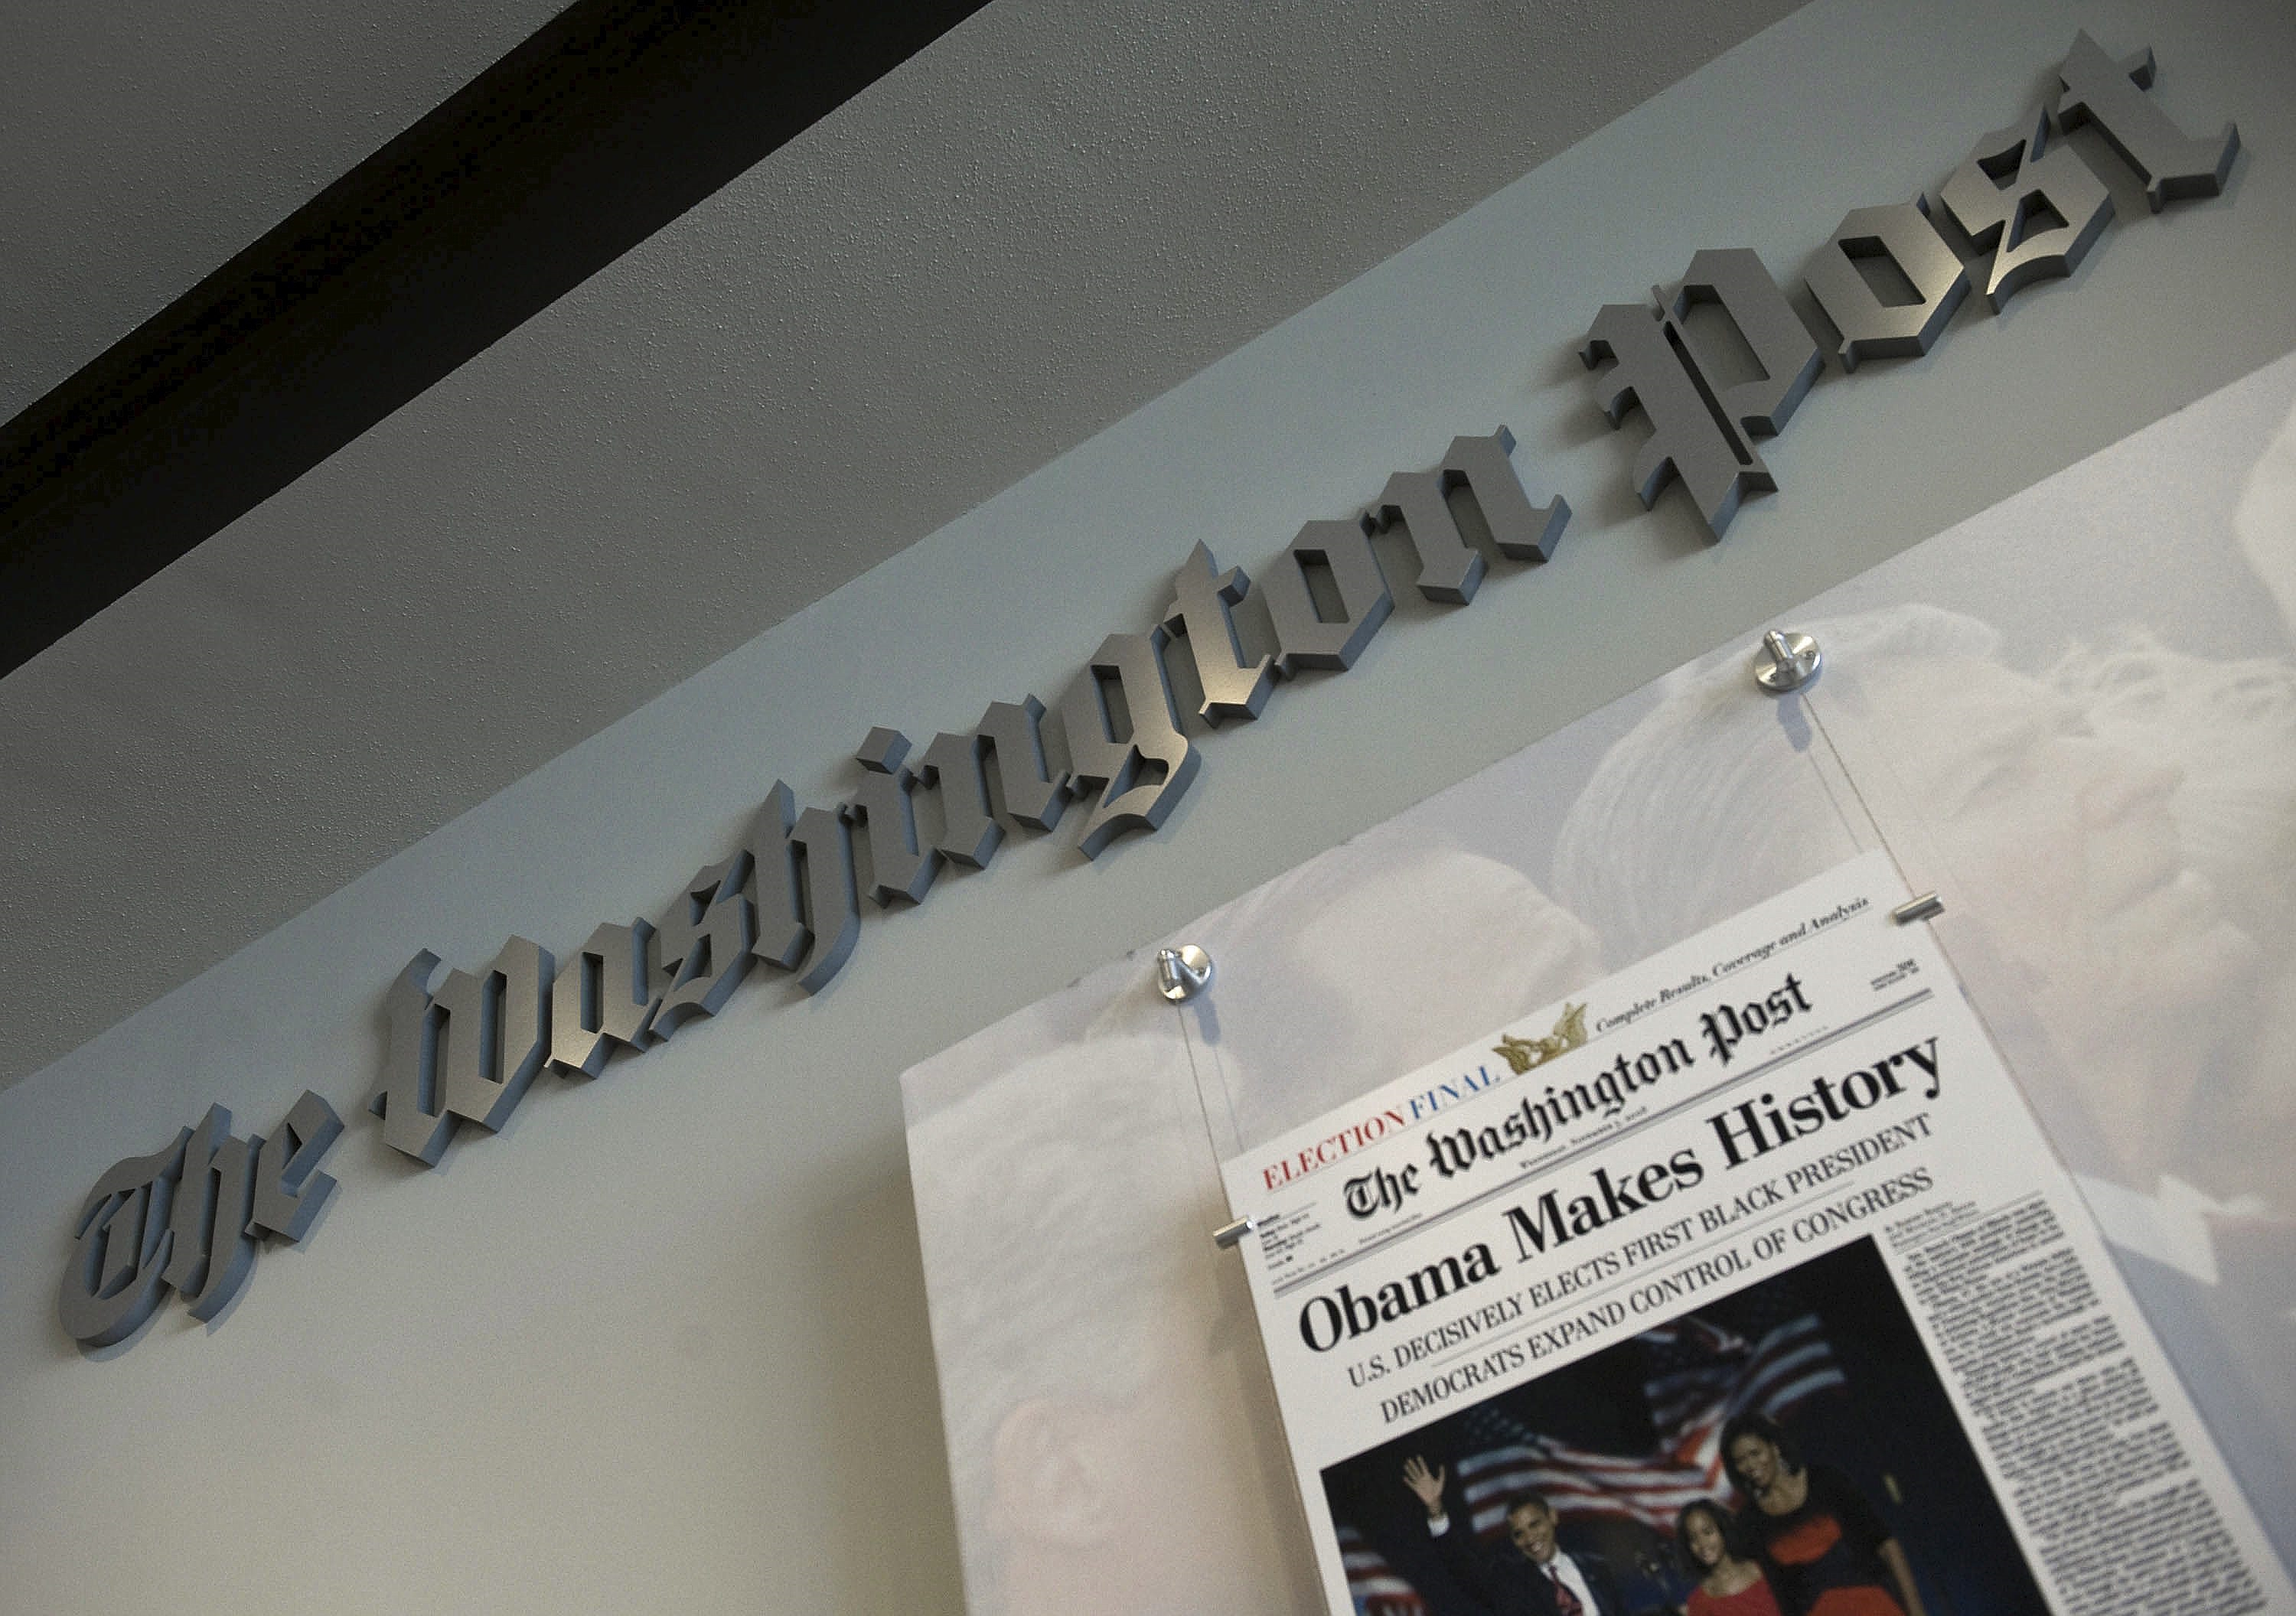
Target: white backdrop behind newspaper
x: 2074, y: 715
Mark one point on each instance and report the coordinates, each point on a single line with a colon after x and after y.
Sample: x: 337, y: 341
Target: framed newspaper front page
x: 2073, y: 715
x: 1742, y: 1282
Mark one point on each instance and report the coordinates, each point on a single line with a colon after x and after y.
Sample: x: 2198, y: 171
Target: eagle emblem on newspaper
x: 1524, y: 1053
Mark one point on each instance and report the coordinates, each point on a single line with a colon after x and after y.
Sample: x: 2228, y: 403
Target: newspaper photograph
x: 1742, y: 1283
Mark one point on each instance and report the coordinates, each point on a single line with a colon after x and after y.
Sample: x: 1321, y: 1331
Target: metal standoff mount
x: 1786, y: 662
x: 1182, y: 973
x: 1228, y: 1236
x: 1928, y: 906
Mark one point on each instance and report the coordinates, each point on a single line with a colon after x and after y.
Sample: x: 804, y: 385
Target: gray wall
x: 141, y: 145
x: 663, y: 1342
x: 1029, y: 230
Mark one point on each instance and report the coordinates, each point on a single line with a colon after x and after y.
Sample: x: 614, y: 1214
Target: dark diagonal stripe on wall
x: 605, y: 126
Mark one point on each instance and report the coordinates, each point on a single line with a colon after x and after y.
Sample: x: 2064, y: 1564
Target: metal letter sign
x: 808, y: 916
x: 1132, y: 747
x: 2110, y: 95
x: 1305, y: 638
x: 466, y: 1047
x: 1702, y: 432
x: 599, y: 1002
x: 2029, y: 203
x: 1870, y: 327
x: 702, y: 946
x: 188, y: 1218
x: 1203, y: 608
x: 957, y: 767
x: 885, y: 806
x: 2012, y: 177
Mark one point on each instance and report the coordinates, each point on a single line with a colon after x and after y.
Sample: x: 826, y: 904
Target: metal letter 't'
x: 1202, y: 608
x: 2110, y: 95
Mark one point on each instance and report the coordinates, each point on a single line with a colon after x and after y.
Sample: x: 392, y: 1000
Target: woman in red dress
x: 1824, y: 1547
x: 1730, y: 1581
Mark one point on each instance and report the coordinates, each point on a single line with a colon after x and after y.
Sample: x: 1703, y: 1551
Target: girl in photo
x: 1729, y: 1578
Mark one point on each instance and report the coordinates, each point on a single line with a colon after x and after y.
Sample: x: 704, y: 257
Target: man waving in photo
x: 1534, y: 1577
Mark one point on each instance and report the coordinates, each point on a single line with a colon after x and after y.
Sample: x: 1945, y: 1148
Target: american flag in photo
x: 1372, y: 1583
x: 1702, y: 1376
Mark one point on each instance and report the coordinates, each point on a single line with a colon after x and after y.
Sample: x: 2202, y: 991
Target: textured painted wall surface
x: 664, y: 1342
x: 142, y: 144
x: 1053, y: 214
